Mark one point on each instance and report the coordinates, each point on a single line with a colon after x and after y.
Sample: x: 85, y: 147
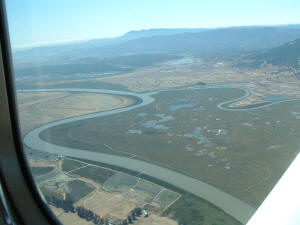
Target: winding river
x: 231, y: 205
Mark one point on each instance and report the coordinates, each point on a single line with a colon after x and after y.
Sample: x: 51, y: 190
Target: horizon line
x: 73, y: 41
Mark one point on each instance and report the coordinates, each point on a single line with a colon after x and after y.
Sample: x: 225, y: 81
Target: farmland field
x: 38, y: 171
x: 42, y: 108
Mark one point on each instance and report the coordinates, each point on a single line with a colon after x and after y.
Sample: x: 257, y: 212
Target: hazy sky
x: 39, y: 22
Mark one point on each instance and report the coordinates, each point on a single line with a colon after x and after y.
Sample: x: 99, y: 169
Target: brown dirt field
x: 73, y: 219
x: 36, y: 109
x: 69, y: 218
x: 104, y: 204
x: 114, y: 205
x: 56, y: 211
x: 39, y: 162
x: 161, y: 76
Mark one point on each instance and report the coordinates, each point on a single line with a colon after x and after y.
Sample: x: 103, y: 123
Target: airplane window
x: 156, y: 112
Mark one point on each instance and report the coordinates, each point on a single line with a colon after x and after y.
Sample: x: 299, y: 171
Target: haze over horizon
x: 75, y: 41
x: 35, y: 23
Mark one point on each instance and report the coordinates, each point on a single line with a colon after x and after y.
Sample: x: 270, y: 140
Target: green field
x: 72, y: 192
x: 120, y: 182
x: 243, y: 153
x: 69, y: 164
x: 193, y: 211
x: 38, y: 171
x: 96, y: 174
x: 147, y: 187
x: 78, y: 189
x: 166, y: 198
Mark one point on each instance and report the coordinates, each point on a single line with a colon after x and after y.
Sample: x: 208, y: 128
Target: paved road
x: 231, y: 205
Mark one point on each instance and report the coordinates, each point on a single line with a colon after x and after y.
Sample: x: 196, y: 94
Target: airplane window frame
x: 19, y: 193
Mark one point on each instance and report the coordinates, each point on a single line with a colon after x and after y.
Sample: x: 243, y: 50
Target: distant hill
x: 131, y: 35
x: 74, y: 49
x: 145, y: 47
x: 287, y: 54
x: 208, y: 42
x: 198, y: 41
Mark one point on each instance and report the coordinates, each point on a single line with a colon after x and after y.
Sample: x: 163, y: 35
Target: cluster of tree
x: 89, y: 215
x: 136, y: 212
x: 82, y: 212
x: 66, y: 205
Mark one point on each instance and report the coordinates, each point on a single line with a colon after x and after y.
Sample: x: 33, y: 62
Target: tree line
x: 89, y: 215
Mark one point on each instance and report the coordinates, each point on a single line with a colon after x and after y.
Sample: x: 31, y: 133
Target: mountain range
x: 258, y: 43
x: 287, y: 55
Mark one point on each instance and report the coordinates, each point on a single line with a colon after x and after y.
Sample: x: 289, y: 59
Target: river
x: 231, y: 205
